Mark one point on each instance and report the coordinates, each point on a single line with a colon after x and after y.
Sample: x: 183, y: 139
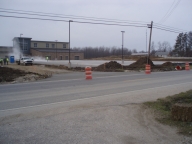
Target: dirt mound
x: 57, y: 66
x: 10, y: 75
x: 167, y: 64
x: 112, y: 65
x: 141, y: 62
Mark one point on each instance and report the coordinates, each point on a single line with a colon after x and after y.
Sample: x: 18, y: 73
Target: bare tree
x: 164, y: 46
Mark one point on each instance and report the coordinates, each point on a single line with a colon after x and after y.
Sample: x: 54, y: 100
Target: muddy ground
x: 14, y: 73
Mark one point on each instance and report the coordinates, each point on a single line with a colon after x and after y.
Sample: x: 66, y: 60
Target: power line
x: 129, y: 21
x: 168, y: 30
x: 66, y: 17
x: 164, y: 26
x: 83, y: 18
x: 87, y: 22
x: 168, y: 11
x: 68, y: 21
x: 171, y: 11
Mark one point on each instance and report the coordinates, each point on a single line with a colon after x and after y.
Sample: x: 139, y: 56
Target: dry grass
x: 162, y: 109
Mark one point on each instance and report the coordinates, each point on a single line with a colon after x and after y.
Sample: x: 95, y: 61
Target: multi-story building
x: 5, y: 50
x: 52, y: 49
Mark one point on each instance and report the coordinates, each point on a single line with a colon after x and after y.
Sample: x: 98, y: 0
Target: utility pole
x: 122, y: 45
x: 150, y: 26
x: 19, y: 44
x: 56, y: 50
x: 69, y: 44
x: 146, y: 40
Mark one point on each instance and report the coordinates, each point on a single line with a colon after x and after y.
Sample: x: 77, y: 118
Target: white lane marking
x: 81, y: 79
x: 90, y: 97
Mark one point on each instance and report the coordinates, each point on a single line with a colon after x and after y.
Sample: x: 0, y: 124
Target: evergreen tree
x: 178, y: 45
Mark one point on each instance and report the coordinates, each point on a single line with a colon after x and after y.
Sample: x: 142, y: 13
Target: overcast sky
x: 83, y: 35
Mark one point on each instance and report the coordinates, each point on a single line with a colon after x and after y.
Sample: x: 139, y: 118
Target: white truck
x: 25, y: 61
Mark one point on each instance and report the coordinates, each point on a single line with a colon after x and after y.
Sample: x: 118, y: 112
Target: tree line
x: 181, y: 48
x: 96, y: 52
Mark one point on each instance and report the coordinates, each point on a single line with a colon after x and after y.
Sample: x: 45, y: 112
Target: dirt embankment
x: 136, y: 66
x: 13, y: 73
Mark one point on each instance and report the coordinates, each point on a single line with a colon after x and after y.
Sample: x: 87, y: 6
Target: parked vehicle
x: 25, y: 61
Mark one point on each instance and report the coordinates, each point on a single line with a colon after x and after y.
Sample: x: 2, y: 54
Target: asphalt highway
x: 108, y: 109
x: 72, y: 86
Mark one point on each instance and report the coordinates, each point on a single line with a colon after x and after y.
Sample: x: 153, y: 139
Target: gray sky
x: 96, y: 35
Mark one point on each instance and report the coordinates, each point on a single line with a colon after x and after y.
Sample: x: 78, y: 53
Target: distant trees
x: 164, y: 47
x: 183, y: 45
x: 152, y: 48
x: 95, y: 52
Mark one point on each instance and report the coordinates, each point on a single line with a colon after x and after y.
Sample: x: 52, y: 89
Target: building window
x: 76, y: 57
x: 25, y: 47
x: 53, y: 45
x: 47, y: 45
x: 64, y: 45
x: 66, y: 58
x: 35, y: 44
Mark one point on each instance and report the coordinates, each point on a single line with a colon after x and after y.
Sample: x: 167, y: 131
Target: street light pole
x: 56, y: 50
x: 122, y: 45
x: 69, y: 44
x: 23, y: 45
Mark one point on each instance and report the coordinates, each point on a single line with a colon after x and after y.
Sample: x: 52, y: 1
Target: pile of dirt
x: 139, y: 64
x: 110, y: 66
x: 142, y: 62
x: 57, y: 66
x: 167, y: 64
x: 12, y: 75
x: 9, y: 74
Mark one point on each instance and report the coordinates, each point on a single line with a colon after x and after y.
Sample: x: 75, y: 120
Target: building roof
x: 139, y: 54
x: 48, y: 41
x: 161, y: 53
x: 54, y: 50
x: 21, y: 38
x: 6, y: 47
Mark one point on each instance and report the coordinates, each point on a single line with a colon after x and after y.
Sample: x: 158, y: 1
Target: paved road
x: 73, y: 86
x: 69, y: 109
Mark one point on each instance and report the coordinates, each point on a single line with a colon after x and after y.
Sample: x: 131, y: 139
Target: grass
x: 162, y: 109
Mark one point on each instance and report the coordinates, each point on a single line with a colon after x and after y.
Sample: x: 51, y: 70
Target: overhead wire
x: 68, y: 17
x: 168, y: 10
x: 171, y: 11
x: 101, y: 22
x: 73, y: 21
x: 84, y: 18
x: 128, y: 21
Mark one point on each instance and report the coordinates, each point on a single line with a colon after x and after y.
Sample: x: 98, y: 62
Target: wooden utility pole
x: 150, y: 26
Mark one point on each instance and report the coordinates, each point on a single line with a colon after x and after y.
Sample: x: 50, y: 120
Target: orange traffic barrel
x: 88, y: 73
x: 187, y: 66
x: 147, y: 69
